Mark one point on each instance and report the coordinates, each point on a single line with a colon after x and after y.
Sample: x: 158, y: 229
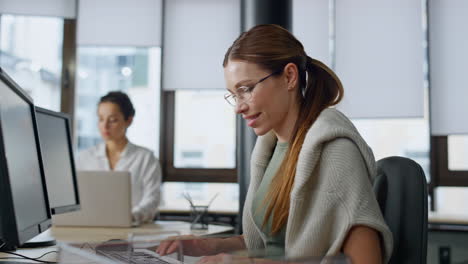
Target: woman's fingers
x: 161, y: 250
x: 173, y: 247
x: 163, y: 247
x: 171, y: 244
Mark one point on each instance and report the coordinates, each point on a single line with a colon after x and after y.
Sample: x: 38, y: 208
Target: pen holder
x: 199, y: 217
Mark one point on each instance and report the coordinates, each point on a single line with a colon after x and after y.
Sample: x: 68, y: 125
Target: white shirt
x: 145, y: 175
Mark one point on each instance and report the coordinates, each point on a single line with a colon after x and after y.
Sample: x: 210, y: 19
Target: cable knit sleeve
x: 344, y: 195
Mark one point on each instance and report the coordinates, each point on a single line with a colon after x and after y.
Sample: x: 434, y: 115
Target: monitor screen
x: 21, y: 170
x: 57, y: 158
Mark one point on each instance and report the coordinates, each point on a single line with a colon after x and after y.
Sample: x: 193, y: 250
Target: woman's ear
x: 129, y: 121
x: 292, y: 75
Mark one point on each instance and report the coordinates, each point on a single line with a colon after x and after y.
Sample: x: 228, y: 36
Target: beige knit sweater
x: 332, y: 190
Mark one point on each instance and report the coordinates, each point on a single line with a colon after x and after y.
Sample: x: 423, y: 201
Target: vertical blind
x: 379, y: 57
x: 54, y: 8
x: 448, y: 42
x: 196, y: 37
x: 120, y: 22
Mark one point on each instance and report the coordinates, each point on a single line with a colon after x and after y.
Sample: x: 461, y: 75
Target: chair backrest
x: 401, y: 191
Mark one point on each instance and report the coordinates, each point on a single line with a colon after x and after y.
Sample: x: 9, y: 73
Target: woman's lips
x: 251, y: 119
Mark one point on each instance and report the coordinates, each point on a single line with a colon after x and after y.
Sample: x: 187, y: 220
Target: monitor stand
x: 42, y: 240
x: 36, y: 244
x: 5, y: 247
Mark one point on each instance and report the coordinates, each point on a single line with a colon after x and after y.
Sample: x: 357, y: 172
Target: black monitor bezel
x: 8, y: 224
x: 66, y: 118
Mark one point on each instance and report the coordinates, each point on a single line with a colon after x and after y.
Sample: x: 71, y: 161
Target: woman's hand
x: 190, y: 245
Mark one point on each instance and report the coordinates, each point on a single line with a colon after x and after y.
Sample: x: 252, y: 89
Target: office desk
x: 448, y: 222
x: 101, y: 234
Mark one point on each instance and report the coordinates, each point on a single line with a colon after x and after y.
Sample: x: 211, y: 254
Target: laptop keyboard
x: 136, y: 257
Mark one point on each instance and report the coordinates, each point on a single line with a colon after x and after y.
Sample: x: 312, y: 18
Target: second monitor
x: 57, y: 157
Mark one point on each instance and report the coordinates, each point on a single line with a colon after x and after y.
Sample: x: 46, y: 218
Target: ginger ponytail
x: 321, y: 90
x: 323, y: 73
x: 272, y: 47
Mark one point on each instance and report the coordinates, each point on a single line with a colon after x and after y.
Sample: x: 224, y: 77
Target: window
x: 398, y: 137
x: 451, y: 200
x: 31, y: 53
x: 135, y: 71
x: 458, y: 152
x: 212, y: 125
x: 451, y: 173
x: 199, y: 137
x: 199, y: 149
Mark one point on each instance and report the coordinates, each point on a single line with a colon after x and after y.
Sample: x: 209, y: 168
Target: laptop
x: 121, y: 252
x: 110, y: 253
x: 106, y: 201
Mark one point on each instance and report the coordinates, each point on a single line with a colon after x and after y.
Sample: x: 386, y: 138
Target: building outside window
x: 31, y: 53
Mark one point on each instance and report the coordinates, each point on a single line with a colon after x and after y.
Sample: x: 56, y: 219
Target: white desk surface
x: 101, y: 234
x: 445, y: 218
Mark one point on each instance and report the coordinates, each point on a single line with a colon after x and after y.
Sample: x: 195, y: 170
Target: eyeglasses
x: 244, y: 93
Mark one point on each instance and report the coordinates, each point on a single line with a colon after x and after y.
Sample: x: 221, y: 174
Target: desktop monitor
x: 24, y: 208
x: 57, y: 157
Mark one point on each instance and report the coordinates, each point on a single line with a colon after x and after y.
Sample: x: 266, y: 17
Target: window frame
x: 166, y: 155
x: 441, y: 175
x: 69, y: 49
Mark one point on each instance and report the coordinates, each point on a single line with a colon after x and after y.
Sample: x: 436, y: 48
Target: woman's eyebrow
x: 109, y: 116
x: 243, y: 82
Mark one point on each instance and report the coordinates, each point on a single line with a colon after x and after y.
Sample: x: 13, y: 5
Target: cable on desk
x: 28, y: 258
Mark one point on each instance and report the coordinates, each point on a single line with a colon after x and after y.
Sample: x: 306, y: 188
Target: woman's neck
x: 284, y: 132
x: 116, y: 146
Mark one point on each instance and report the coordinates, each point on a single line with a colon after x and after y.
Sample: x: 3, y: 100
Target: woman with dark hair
x: 310, y: 191
x: 116, y: 112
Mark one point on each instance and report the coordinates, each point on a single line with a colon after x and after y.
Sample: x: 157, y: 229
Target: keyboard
x: 142, y: 256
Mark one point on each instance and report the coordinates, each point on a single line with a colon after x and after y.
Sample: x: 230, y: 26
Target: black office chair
x: 401, y: 191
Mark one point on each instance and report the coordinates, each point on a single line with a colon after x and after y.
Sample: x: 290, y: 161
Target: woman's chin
x: 107, y: 138
x: 260, y: 131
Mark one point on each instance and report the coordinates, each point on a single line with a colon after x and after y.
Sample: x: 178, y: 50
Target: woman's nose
x: 240, y: 107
